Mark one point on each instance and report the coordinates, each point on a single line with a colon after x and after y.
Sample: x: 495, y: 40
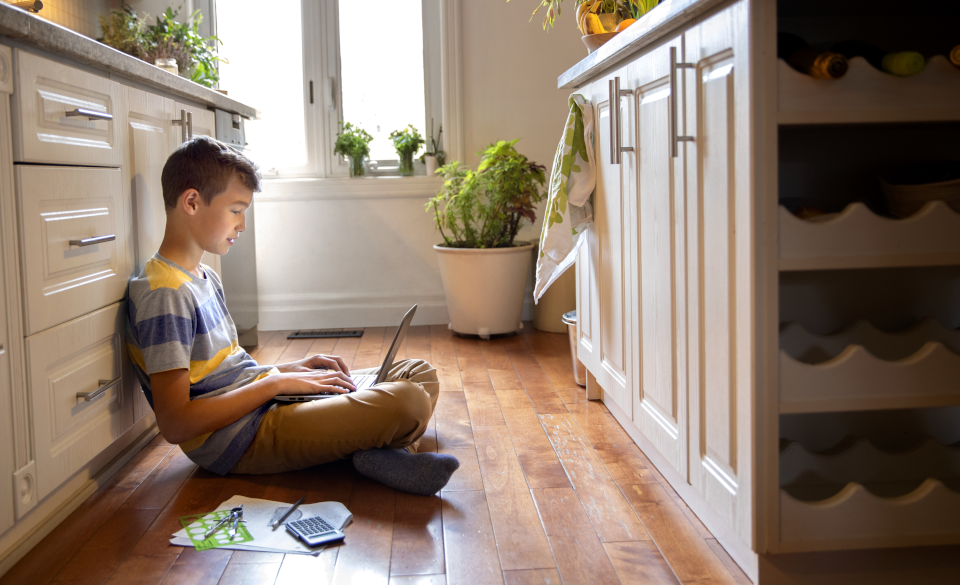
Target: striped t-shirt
x: 178, y: 320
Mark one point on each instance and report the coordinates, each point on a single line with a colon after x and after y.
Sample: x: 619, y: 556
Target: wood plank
x: 295, y: 350
x: 469, y: 544
x: 453, y: 421
x: 623, y: 464
x: 198, y: 567
x: 532, y: 577
x: 482, y: 404
x: 541, y: 466
x: 417, y: 547
x: 690, y: 557
x: 608, y: 510
x: 639, y: 563
x: 269, y: 356
x: 428, y: 442
x: 332, y: 482
x: 162, y: 484
x: 142, y: 569
x: 443, y: 357
x: 301, y: 569
x: 366, y: 555
x: 289, y: 487
x: 495, y: 356
x: 322, y: 345
x: 249, y: 557
x: 656, y: 473
x: 735, y: 571
x: 516, y: 525
x: 418, y: 343
x: 372, y: 345
x: 560, y: 375
x: 106, y: 549
x: 596, y: 424
x: 580, y: 556
x: 249, y: 574
x: 57, y: 548
x: 346, y: 348
x: 505, y: 379
x: 418, y: 580
x: 538, y: 387
x: 467, y: 477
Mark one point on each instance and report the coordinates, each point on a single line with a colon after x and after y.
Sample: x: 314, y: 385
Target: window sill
x: 311, y: 189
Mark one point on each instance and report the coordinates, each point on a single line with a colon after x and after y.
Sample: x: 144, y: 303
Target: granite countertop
x: 32, y: 30
x: 652, y: 26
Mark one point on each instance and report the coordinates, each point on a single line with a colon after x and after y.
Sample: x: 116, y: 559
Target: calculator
x: 314, y: 531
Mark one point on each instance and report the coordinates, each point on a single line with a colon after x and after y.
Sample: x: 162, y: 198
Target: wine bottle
x: 902, y: 64
x: 798, y: 54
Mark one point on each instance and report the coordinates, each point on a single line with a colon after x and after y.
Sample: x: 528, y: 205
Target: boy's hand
x: 314, y: 382
x: 316, y: 362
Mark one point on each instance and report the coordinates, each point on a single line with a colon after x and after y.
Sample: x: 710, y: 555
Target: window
x: 309, y: 65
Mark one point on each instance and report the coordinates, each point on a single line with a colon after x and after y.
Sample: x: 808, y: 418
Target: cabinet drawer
x: 78, y: 357
x: 64, y: 115
x: 60, y: 205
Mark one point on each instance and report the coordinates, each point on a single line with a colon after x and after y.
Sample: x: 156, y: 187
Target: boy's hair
x: 206, y: 165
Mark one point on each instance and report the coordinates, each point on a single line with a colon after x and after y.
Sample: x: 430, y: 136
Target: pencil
x: 288, y: 512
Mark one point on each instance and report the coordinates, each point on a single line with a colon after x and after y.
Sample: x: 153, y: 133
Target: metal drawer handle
x: 615, y: 94
x: 189, y: 125
x: 89, y: 114
x: 675, y: 139
x: 93, y: 240
x: 182, y: 122
x: 104, y: 386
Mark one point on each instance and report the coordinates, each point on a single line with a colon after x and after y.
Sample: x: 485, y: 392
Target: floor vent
x: 325, y: 333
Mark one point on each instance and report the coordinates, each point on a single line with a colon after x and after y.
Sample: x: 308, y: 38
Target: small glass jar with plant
x: 406, y: 142
x: 486, y: 208
x: 353, y: 142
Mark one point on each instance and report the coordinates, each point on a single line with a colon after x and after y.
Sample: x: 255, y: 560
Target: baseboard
x: 54, y: 509
x: 379, y: 309
x: 738, y: 551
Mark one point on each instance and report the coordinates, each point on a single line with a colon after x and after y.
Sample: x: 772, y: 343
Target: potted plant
x: 434, y: 158
x: 406, y: 142
x: 484, y: 270
x: 353, y: 143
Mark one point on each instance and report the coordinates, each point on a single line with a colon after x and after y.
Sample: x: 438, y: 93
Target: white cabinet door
x: 148, y: 127
x: 86, y: 355
x: 721, y: 259
x: 588, y: 346
x: 201, y: 123
x: 75, y: 250
x: 610, y: 223
x: 657, y: 276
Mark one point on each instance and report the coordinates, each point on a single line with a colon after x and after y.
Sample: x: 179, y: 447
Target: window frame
x: 322, y: 81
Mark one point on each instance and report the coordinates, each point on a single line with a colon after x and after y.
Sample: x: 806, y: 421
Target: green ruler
x: 197, y: 525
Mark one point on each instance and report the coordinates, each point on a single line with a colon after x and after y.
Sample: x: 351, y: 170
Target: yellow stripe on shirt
x: 194, y: 443
x: 162, y: 275
x: 200, y: 368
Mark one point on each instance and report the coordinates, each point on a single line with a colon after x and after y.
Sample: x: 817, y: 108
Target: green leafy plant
x: 123, y: 30
x: 626, y: 8
x: 407, y: 141
x: 182, y: 41
x: 636, y: 8
x: 126, y: 31
x: 352, y: 141
x: 434, y: 148
x: 486, y: 208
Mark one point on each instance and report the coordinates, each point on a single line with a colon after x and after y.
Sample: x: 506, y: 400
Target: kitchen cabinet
x: 790, y: 403
x: 7, y: 459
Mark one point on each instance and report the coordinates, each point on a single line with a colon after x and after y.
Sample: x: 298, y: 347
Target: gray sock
x: 422, y: 473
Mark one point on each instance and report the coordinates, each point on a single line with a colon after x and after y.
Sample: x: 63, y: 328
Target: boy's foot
x: 421, y: 473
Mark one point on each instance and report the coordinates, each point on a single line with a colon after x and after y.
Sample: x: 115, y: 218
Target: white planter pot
x: 484, y: 288
x: 431, y: 163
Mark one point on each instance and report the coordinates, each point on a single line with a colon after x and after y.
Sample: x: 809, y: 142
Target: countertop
x: 25, y: 28
x: 652, y: 26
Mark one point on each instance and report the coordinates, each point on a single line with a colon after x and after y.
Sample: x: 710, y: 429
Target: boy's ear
x: 190, y: 201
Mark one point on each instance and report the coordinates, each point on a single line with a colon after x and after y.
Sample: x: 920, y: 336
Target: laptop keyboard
x: 363, y: 382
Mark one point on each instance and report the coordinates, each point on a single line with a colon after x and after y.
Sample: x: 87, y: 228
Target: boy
x: 213, y: 399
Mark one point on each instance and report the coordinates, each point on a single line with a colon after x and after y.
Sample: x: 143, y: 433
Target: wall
x: 340, y: 253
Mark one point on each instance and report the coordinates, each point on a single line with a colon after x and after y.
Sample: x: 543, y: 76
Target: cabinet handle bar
x: 94, y: 240
x: 104, y: 386
x: 89, y: 114
x: 615, y: 139
x: 675, y: 138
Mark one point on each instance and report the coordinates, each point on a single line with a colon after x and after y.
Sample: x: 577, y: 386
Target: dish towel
x: 569, y: 212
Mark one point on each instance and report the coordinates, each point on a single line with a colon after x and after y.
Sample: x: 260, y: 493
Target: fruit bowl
x: 594, y: 42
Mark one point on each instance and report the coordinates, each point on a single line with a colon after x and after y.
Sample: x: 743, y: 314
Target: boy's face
x: 219, y: 224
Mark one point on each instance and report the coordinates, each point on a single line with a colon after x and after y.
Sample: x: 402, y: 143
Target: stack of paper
x: 258, y: 515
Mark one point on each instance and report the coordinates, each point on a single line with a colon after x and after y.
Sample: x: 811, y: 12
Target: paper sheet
x: 259, y: 514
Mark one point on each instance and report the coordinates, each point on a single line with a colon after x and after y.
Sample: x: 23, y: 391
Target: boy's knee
x: 415, y: 406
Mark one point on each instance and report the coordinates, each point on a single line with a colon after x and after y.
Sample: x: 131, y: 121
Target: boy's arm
x: 315, y: 362
x: 181, y: 419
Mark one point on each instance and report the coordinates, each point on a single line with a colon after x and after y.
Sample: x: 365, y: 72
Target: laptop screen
x: 395, y: 346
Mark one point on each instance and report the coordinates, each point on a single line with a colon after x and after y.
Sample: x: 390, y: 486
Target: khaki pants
x: 393, y: 414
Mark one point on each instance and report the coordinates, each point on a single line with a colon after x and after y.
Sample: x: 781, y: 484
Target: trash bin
x: 579, y: 372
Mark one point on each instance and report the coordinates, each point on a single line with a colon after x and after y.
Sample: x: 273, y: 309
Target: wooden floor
x: 550, y: 490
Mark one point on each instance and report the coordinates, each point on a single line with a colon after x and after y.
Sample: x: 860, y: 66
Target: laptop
x: 367, y: 380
